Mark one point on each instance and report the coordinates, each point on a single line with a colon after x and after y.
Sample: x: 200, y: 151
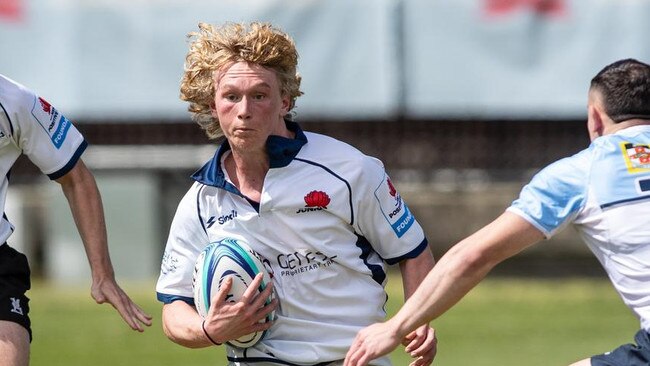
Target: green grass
x: 529, y: 322
x: 502, y: 322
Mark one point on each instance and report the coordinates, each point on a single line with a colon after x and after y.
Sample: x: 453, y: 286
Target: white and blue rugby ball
x: 219, y: 260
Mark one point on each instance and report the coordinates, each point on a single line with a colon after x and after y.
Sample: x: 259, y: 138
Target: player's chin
x: 246, y: 139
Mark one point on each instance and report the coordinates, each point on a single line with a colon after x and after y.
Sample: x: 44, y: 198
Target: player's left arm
x: 421, y: 343
x: 85, y: 203
x: 386, y: 221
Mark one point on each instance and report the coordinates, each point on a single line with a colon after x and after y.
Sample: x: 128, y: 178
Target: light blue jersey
x: 604, y: 191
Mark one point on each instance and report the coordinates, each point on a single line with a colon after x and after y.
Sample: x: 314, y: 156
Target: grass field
x: 502, y: 322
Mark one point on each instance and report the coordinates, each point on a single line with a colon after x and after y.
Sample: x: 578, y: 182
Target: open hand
x: 109, y: 291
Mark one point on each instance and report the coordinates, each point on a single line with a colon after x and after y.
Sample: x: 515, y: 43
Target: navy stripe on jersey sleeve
x: 410, y: 255
x: 71, y: 163
x: 168, y: 299
x: 377, y: 271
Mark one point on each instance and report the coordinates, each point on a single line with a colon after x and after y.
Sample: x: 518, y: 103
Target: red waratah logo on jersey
x: 391, y: 187
x: 47, y: 107
x: 317, y: 199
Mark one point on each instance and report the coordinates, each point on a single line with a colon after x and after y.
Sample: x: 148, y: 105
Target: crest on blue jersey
x: 631, y: 184
x: 637, y: 157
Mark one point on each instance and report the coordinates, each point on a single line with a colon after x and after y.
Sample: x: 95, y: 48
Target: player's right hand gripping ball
x: 219, y: 260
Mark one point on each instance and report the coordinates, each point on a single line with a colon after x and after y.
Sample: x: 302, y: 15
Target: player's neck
x: 615, y: 127
x: 247, y: 173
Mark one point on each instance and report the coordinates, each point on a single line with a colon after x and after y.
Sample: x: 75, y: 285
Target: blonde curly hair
x: 212, y: 49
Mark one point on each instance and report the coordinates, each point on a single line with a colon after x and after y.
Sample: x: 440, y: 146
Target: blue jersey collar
x: 281, y: 152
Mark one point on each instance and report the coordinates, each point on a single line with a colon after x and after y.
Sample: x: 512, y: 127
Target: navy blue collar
x: 281, y: 152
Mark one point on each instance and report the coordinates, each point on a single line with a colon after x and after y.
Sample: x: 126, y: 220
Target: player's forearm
x: 453, y: 276
x: 182, y: 325
x: 415, y: 270
x: 85, y: 203
x: 463, y: 267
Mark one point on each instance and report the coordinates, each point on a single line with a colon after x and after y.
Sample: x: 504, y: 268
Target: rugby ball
x: 229, y: 258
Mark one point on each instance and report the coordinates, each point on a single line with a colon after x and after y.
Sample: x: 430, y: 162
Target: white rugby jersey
x: 328, y: 221
x: 30, y: 125
x: 605, y: 192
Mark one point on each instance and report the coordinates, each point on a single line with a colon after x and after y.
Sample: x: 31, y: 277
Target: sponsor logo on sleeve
x: 393, y: 208
x: 55, y: 124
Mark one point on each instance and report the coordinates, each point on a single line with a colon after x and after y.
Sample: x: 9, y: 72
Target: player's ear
x: 595, y: 124
x: 213, y: 110
x: 286, y: 105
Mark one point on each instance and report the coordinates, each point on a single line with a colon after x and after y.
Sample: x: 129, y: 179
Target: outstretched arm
x: 85, y: 202
x: 457, y: 272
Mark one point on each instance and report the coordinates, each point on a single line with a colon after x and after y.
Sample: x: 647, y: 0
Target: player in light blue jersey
x: 325, y: 217
x: 604, y: 191
x: 31, y: 126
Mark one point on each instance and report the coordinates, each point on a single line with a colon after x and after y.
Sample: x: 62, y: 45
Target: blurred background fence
x: 463, y: 101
